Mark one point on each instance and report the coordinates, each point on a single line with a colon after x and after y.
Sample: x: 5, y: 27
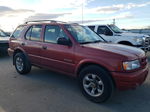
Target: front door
x: 106, y: 33
x: 55, y: 56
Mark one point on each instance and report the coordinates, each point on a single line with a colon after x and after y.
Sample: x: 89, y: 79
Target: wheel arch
x: 85, y: 64
x: 18, y: 50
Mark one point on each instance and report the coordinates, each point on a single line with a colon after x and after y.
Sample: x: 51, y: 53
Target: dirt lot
x: 45, y: 91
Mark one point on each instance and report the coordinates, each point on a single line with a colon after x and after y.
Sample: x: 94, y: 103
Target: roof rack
x: 51, y: 21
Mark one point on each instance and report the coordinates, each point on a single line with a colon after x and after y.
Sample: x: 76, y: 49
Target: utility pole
x: 114, y: 21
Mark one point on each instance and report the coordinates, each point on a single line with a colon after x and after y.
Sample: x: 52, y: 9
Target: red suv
x: 77, y: 51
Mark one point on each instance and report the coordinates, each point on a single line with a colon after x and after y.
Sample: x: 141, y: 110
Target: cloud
x: 4, y: 8
x: 7, y: 11
x: 45, y: 6
x: 119, y: 7
x: 43, y: 16
x: 125, y: 15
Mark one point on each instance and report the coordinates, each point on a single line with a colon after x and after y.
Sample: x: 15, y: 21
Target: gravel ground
x: 46, y: 91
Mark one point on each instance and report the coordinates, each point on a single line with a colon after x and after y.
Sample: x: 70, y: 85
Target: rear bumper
x: 132, y: 80
x: 4, y: 46
x: 10, y: 52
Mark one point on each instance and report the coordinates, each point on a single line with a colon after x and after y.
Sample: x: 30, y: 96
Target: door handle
x: 44, y: 47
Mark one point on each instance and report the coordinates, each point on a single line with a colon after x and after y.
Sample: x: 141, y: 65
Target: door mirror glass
x: 63, y: 41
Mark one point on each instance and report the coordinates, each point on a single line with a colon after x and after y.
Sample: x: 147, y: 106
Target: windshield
x: 2, y: 34
x: 115, y: 29
x: 83, y: 34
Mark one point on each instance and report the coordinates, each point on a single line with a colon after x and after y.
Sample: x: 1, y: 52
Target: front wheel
x: 22, y: 65
x: 96, y: 84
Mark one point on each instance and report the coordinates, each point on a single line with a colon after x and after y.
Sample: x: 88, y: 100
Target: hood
x: 4, y: 39
x: 123, y: 50
x: 130, y: 34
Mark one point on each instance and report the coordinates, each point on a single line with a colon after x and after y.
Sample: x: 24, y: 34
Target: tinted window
x: 104, y: 30
x: 92, y: 27
x: 53, y: 32
x: 18, y: 32
x: 34, y: 33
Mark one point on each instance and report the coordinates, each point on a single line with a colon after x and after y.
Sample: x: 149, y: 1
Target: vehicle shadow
x: 67, y: 90
x: 2, y: 55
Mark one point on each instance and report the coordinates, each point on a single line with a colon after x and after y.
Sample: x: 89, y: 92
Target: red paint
x: 68, y: 59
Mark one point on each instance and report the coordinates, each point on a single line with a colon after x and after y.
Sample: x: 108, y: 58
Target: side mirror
x: 63, y: 41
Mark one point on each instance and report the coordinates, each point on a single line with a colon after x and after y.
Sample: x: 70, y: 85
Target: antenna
x: 82, y: 12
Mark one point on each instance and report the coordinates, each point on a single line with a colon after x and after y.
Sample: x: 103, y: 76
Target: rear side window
x: 18, y: 32
x: 92, y: 27
x: 34, y: 33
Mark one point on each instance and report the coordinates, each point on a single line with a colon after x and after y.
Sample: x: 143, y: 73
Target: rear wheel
x: 96, y: 84
x: 22, y: 65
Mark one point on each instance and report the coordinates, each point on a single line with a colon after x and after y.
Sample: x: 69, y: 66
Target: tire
x: 96, y: 84
x: 22, y: 64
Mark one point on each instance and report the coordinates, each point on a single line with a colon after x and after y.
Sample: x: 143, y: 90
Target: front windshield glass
x: 2, y: 34
x: 115, y: 29
x: 83, y: 34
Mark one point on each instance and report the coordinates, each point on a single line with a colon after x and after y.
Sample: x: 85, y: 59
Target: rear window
x: 18, y: 31
x: 2, y: 34
x: 92, y: 27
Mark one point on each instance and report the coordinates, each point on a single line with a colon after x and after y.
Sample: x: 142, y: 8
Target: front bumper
x: 147, y: 48
x: 132, y: 80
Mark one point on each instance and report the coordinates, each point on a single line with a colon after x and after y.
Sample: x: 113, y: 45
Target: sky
x: 128, y: 14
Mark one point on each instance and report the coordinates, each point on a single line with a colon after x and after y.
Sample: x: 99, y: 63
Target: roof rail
x: 51, y: 21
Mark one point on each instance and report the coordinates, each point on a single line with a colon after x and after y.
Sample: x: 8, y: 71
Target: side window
x: 92, y: 27
x: 34, y: 33
x: 2, y: 34
x: 17, y: 32
x: 104, y: 30
x: 52, y: 33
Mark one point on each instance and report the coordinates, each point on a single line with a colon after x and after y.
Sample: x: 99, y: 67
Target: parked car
x: 113, y: 34
x: 77, y: 51
x: 141, y: 31
x: 4, y: 39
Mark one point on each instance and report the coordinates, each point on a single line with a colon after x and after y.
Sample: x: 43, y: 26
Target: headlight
x: 139, y: 40
x: 131, y: 65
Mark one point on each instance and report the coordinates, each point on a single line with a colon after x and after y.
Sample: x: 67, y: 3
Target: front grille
x: 147, y: 41
x: 143, y: 61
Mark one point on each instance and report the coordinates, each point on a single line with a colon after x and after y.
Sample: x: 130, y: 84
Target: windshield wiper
x: 91, y: 42
x: 85, y: 42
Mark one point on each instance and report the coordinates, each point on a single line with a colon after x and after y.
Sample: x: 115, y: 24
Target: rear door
x: 55, y: 56
x: 32, y: 43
